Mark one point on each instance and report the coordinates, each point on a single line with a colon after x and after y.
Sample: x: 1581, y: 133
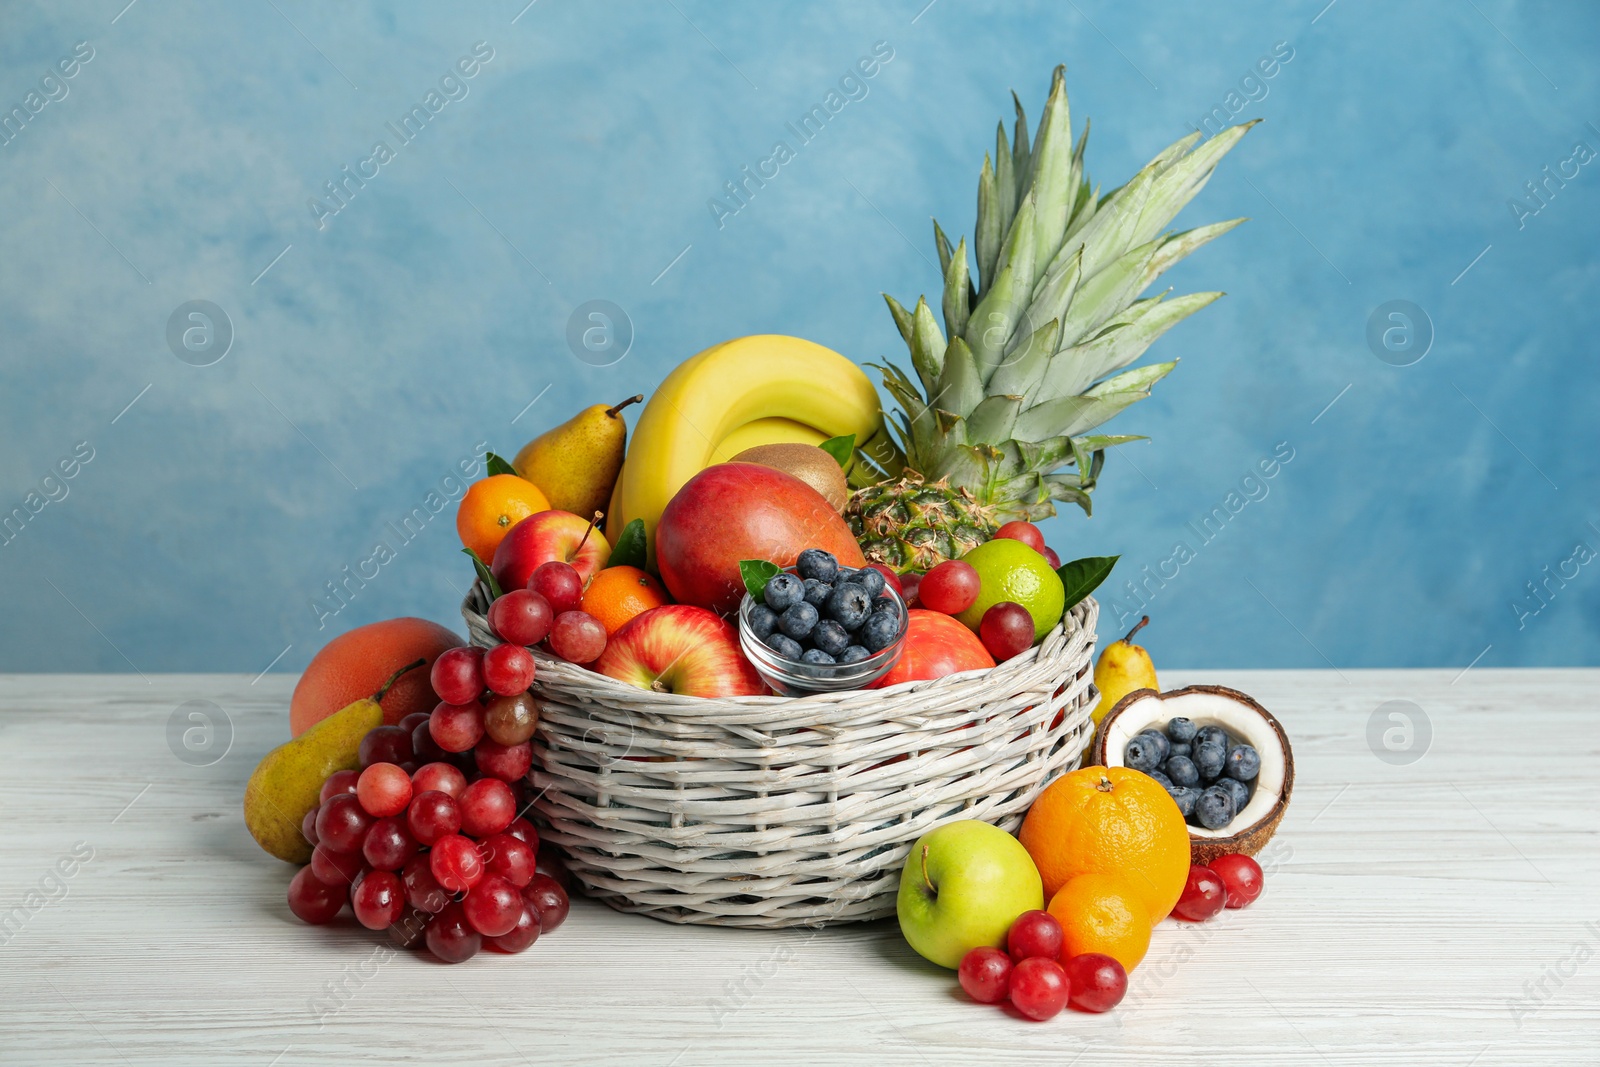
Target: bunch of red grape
x: 425, y: 841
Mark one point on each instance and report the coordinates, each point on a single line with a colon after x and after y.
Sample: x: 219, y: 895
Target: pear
x: 1122, y: 668
x: 287, y: 782
x: 576, y: 464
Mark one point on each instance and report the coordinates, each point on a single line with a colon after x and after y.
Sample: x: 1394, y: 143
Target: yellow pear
x: 287, y: 782
x: 576, y: 464
x: 1122, y: 668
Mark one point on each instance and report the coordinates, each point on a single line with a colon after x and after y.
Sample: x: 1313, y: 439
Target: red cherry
x: 521, y: 617
x: 1026, y: 532
x: 1006, y: 630
x: 457, y: 675
x: 559, y: 583
x: 1241, y: 877
x: 1034, y: 933
x: 951, y: 587
x: 985, y: 973
x: 1098, y: 982
x: 1039, y: 988
x: 1203, y: 895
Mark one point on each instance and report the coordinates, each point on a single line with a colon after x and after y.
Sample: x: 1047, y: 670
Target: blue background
x: 372, y: 356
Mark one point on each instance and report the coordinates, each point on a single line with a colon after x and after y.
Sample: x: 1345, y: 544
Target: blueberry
x: 786, y: 647
x: 1212, y: 735
x: 1141, y: 755
x: 798, y: 621
x: 1181, y: 731
x: 871, y: 580
x: 783, y: 591
x: 817, y: 656
x: 1236, y: 789
x: 1244, y: 763
x: 1186, y: 796
x: 818, y: 564
x: 830, y: 637
x: 1181, y: 770
x: 844, y: 574
x: 848, y: 605
x: 1159, y: 742
x: 1163, y: 781
x: 879, y: 631
x: 1209, y: 759
x: 816, y: 593
x: 1214, y: 809
x: 884, y: 602
x: 1181, y: 748
x: 763, y: 620
x: 853, y: 654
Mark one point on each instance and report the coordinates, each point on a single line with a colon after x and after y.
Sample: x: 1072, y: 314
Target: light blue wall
x: 424, y: 317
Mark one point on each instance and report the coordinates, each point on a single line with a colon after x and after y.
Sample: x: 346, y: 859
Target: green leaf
x: 497, y: 465
x: 485, y: 575
x: 757, y: 573
x: 840, y: 448
x: 630, y: 551
x: 1082, y: 576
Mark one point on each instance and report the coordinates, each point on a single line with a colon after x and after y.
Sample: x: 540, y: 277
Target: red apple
x: 546, y: 536
x: 735, y: 511
x: 936, y: 645
x: 682, y: 649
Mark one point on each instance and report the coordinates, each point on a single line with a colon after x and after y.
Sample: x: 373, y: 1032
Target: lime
x: 1010, y: 570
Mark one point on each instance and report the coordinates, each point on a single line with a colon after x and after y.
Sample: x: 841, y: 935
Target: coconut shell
x: 1248, y: 840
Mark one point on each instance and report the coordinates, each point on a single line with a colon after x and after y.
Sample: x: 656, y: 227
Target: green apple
x: 963, y: 886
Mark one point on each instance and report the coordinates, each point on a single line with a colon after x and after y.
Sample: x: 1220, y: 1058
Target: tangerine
x: 1101, y: 913
x: 356, y: 664
x: 492, y: 506
x: 1110, y: 820
x: 617, y: 594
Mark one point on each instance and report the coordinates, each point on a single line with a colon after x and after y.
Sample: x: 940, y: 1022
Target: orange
x: 616, y: 594
x: 356, y: 664
x: 1101, y: 913
x: 494, y: 505
x: 1110, y: 820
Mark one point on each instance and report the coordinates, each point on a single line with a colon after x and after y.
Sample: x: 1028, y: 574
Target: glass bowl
x: 790, y: 677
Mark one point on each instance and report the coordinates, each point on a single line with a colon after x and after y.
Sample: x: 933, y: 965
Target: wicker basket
x: 790, y: 811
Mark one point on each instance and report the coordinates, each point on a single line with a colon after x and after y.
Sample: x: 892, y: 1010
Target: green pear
x: 1123, y: 668
x: 287, y: 782
x: 576, y: 464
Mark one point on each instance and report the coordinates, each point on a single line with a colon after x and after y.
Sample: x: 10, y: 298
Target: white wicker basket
x: 791, y: 811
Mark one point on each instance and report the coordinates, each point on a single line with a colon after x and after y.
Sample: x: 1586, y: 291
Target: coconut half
x: 1245, y: 721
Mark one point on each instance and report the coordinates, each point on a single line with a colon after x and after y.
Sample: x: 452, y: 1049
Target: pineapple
x: 997, y: 423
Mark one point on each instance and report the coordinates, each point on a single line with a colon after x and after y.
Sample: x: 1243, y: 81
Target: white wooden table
x: 1434, y: 910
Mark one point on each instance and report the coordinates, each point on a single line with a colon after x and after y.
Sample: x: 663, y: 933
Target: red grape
x: 338, y: 782
x: 389, y: 844
x: 411, y: 929
x: 1053, y: 559
x: 378, y: 900
x: 342, y: 824
x: 1006, y: 630
x: 433, y: 815
x: 951, y: 587
x: 456, y: 727
x: 511, y: 720
x: 457, y: 675
x: 1026, y: 532
x: 384, y: 789
x: 425, y: 748
x: 1241, y: 877
x: 525, y: 933
x: 308, y: 827
x: 487, y: 807
x: 889, y: 576
x: 1097, y: 981
x: 985, y: 973
x: 559, y: 583
x: 1203, y: 895
x: 520, y: 617
x: 493, y: 906
x: 313, y: 901
x: 910, y: 587
x: 1034, y: 933
x: 409, y: 723
x: 336, y: 868
x: 523, y: 831
x: 456, y: 863
x: 577, y: 637
x: 385, y: 744
x: 423, y: 890
x: 546, y: 894
x: 1039, y: 988
x: 450, y: 937
x: 509, y: 858
x: 509, y: 763
x: 439, y: 777
x: 508, y: 669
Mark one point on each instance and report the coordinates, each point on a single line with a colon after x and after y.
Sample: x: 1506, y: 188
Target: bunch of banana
x: 764, y: 389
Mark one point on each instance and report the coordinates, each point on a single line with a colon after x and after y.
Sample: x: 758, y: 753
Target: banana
x: 785, y: 386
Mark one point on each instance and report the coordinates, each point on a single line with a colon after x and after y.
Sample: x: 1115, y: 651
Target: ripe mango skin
x: 287, y: 782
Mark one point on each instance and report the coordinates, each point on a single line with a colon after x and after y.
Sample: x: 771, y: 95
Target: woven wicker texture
x: 774, y: 811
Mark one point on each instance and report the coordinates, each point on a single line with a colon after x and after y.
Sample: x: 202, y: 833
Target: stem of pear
x: 925, y: 879
x: 1141, y: 624
x: 597, y: 517
x: 395, y: 677
x: 634, y: 399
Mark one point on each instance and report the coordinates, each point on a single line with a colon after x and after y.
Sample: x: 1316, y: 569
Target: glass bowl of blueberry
x: 822, y: 628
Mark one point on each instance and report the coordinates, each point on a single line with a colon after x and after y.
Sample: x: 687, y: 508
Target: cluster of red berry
x: 1035, y: 976
x: 547, y: 610
x: 1230, y: 881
